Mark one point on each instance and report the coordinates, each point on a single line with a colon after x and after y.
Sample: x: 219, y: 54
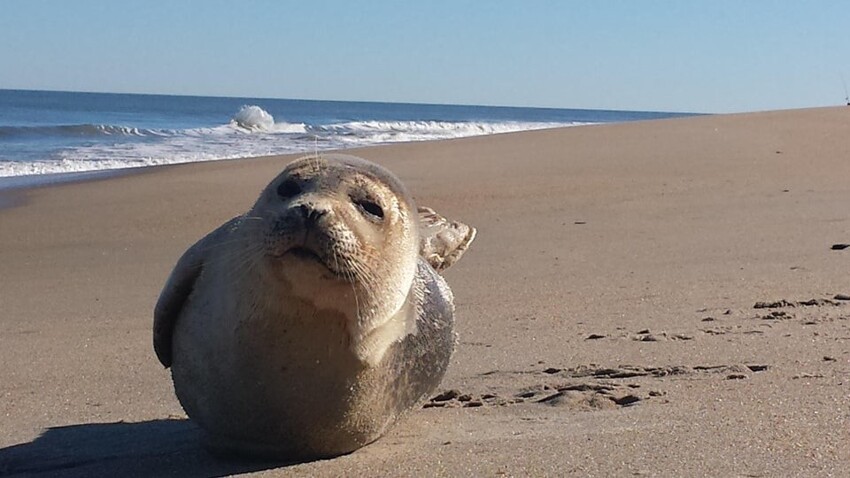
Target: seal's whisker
x: 367, y: 279
x: 368, y: 276
x: 352, y: 281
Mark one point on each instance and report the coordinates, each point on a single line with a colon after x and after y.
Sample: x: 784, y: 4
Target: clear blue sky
x: 706, y: 56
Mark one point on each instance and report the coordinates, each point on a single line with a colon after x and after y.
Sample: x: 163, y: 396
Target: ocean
x: 44, y: 133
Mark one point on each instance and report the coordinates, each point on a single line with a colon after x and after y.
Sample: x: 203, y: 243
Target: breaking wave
x: 252, y: 131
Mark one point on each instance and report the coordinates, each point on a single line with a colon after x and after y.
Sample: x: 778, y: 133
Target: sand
x: 607, y: 310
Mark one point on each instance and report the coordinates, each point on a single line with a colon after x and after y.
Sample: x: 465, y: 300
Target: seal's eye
x: 288, y: 189
x: 370, y: 207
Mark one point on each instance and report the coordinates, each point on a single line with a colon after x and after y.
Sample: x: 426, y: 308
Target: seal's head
x: 342, y: 233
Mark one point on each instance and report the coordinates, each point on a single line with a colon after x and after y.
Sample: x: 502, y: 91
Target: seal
x: 308, y: 326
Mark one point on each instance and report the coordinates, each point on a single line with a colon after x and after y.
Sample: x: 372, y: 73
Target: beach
x: 653, y: 298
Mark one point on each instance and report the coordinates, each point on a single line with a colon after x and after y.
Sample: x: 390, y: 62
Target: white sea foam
x: 377, y: 132
x: 442, y: 128
x: 251, y: 132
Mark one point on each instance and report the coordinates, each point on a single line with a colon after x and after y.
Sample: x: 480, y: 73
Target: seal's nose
x: 311, y: 213
x: 315, y: 214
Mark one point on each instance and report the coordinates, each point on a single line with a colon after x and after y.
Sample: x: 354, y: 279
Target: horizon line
x: 350, y: 101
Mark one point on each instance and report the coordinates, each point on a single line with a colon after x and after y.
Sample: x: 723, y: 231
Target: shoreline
x: 9, y: 183
x: 12, y: 184
x: 29, y: 181
x: 631, y: 286
x: 14, y: 189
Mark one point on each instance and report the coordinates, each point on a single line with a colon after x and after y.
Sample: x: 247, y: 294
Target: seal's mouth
x: 304, y: 253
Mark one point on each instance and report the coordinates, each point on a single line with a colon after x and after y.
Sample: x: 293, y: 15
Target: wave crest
x: 436, y: 128
x: 253, y: 118
x: 79, y: 130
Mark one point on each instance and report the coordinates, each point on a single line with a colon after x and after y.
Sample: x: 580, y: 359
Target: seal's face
x: 341, y: 233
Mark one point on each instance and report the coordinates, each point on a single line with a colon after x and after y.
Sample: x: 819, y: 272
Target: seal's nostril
x: 303, y: 211
x: 315, y: 214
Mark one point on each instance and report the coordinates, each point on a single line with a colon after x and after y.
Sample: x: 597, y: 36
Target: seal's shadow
x: 143, y: 449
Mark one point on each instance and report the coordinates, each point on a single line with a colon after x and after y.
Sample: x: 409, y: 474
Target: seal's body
x: 306, y: 327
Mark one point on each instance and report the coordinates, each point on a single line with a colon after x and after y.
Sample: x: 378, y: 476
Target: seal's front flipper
x: 180, y: 284
x: 442, y: 241
x: 177, y: 289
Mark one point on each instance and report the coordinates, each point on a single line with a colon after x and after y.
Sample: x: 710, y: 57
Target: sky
x: 691, y: 56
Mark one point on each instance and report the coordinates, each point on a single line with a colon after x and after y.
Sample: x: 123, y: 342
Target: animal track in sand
x: 587, y: 387
x: 581, y: 396
x: 591, y: 387
x: 810, y: 312
x: 813, y: 310
x: 643, y: 335
x: 783, y: 303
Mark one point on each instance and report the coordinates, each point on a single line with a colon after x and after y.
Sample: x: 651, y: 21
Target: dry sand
x: 606, y: 310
